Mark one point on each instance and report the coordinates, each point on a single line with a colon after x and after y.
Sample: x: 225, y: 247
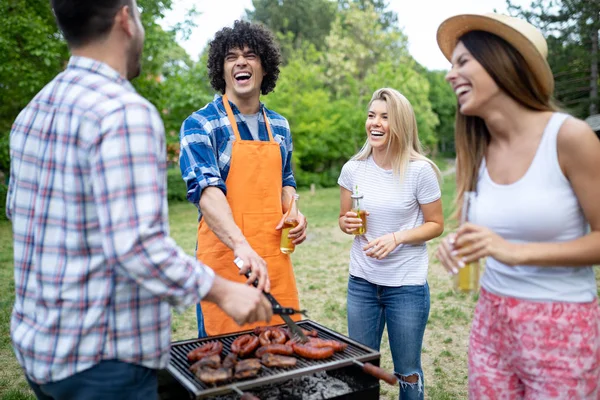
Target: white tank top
x: 539, y: 207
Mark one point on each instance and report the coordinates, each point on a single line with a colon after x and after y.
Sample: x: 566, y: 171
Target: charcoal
x: 318, y: 386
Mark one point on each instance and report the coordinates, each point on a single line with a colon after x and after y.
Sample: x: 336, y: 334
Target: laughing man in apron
x: 236, y: 161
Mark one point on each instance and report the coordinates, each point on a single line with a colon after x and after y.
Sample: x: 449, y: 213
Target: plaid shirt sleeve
x: 129, y: 185
x: 288, y: 175
x: 197, y: 158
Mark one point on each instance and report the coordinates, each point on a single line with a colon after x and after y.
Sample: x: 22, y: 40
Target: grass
x: 321, y: 266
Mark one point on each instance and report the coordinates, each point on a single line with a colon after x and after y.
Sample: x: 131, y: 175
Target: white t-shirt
x: 393, y: 206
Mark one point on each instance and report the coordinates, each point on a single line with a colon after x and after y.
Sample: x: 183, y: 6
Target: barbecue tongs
x: 283, y: 312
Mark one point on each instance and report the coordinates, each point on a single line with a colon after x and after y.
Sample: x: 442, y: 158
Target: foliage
x: 324, y: 94
x: 31, y: 54
x: 296, y: 22
x: 571, y: 28
x: 443, y: 104
x: 176, y: 188
x: 3, y: 194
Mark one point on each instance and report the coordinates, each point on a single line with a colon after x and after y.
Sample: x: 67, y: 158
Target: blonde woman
x: 388, y: 265
x: 536, y: 329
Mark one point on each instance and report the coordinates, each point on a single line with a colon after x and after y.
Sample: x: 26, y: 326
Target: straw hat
x: 523, y: 36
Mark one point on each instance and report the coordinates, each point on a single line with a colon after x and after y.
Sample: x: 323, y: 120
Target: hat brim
x: 453, y: 28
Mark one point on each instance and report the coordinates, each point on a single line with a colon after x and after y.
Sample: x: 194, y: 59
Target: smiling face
x: 243, y: 73
x: 377, y: 125
x: 474, y: 87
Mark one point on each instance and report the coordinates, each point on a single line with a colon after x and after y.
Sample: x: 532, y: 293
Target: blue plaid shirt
x: 206, y: 138
x: 95, y: 269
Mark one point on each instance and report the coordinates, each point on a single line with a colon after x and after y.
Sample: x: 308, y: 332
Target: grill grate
x: 178, y: 366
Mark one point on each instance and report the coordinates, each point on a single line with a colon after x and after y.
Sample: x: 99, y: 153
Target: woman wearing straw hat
x: 536, y: 217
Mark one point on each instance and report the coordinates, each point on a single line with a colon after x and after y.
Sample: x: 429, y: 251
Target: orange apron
x: 254, y: 195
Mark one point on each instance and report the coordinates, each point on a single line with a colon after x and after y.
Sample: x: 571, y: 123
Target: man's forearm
x: 217, y: 214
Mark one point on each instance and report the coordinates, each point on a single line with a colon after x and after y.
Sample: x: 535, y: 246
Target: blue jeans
x: 405, y: 310
x: 201, y: 331
x: 115, y: 380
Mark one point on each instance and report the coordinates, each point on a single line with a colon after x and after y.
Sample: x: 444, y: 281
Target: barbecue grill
x: 340, y: 367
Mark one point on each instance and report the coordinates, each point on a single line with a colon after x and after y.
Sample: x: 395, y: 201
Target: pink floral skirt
x: 521, y: 349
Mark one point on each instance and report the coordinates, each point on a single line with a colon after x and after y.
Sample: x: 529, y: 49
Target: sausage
x: 274, y: 360
x: 315, y: 353
x: 311, y: 333
x: 275, y: 349
x: 272, y: 336
x: 207, y: 349
x: 212, y: 376
x: 337, y: 346
x: 244, y: 345
x: 380, y: 373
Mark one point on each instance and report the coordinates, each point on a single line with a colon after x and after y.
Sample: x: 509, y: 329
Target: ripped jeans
x: 405, y: 310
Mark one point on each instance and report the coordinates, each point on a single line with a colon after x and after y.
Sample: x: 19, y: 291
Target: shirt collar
x: 100, y: 68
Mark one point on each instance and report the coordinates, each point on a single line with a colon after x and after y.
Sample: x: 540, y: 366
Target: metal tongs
x: 283, y: 312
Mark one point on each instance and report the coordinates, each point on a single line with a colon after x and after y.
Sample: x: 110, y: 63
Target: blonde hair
x: 403, y: 144
x: 512, y: 74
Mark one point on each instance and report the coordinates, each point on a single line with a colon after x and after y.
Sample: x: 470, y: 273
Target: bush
x: 3, y: 193
x: 176, y: 188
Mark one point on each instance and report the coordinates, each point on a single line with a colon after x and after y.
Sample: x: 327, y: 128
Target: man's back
x: 76, y: 220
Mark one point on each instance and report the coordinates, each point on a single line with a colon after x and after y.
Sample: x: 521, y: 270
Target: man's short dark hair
x: 257, y: 38
x: 84, y: 21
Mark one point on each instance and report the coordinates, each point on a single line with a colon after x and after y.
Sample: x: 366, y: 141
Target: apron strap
x: 233, y: 122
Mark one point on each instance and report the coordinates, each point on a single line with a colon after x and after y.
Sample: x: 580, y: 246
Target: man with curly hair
x: 236, y: 161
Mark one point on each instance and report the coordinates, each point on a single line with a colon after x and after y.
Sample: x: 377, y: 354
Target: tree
x: 387, y: 18
x: 443, y: 104
x: 571, y: 28
x: 295, y: 22
x: 33, y: 52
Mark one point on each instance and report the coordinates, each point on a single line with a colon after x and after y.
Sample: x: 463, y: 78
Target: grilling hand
x: 382, y: 246
x: 255, y: 264
x: 244, y: 304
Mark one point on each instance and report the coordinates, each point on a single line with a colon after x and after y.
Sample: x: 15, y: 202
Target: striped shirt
x: 206, y: 138
x: 95, y: 269
x: 393, y: 206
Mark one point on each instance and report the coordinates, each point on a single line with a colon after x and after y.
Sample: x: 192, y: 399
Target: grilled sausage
x: 272, y: 336
x: 315, y: 353
x: 311, y: 333
x: 275, y: 349
x: 337, y: 346
x: 207, y: 349
x: 274, y: 360
x: 244, y: 345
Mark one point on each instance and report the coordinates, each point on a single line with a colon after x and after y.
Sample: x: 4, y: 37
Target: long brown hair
x: 404, y: 144
x: 511, y: 73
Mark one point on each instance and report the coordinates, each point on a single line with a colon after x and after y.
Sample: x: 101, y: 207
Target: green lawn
x: 321, y: 266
